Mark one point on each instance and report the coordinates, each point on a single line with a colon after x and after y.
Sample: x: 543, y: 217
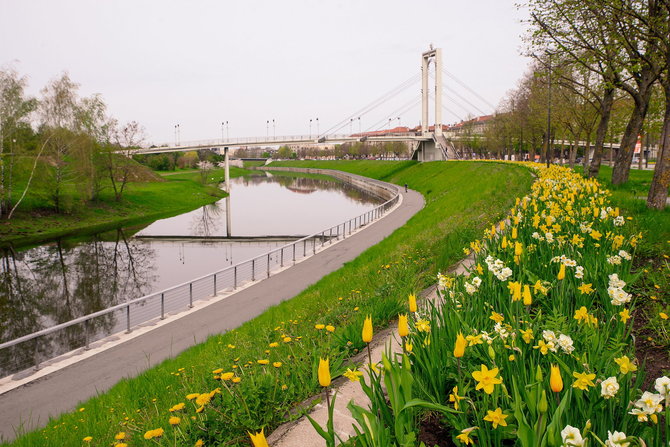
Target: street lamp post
x: 267, y: 129
x: 310, y: 128
x: 222, y: 123
x: 359, y: 124
x: 317, y: 127
x: 274, y: 130
x: 351, y: 126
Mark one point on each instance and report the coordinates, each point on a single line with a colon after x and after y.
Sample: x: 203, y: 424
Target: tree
x: 15, y: 111
x: 117, y: 159
x: 284, y: 152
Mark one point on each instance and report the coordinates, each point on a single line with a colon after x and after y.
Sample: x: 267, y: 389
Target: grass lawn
x: 253, y: 376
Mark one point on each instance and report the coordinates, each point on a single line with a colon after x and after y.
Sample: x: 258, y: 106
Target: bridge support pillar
x: 434, y: 55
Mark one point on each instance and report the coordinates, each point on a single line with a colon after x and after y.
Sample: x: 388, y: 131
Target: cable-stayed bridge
x: 428, y: 141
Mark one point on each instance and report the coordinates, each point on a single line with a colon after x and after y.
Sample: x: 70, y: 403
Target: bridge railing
x: 278, y: 139
x: 33, y: 351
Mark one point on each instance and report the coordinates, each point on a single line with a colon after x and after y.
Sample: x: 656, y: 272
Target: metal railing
x: 34, y: 349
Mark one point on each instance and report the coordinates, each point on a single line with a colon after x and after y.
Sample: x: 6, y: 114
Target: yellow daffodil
x: 486, y: 379
x: 474, y: 340
x: 581, y: 314
x: 324, y: 372
x: 586, y: 289
x: 455, y: 398
x: 367, y: 329
x: 403, y: 327
x: 527, y: 335
x: 258, y: 440
x: 353, y: 375
x: 464, y: 436
x: 498, y: 318
x: 625, y: 365
x: 625, y: 315
x: 422, y: 325
x: 596, y: 235
x: 584, y: 380
x: 555, y: 379
x: 459, y: 347
x: 496, y: 417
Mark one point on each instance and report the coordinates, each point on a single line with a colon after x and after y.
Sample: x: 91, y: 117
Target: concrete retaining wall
x: 383, y: 190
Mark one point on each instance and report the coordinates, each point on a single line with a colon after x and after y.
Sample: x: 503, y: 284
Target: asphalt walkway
x: 30, y: 406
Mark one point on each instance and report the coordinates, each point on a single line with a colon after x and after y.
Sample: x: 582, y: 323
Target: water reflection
x: 271, y: 205
x: 57, y: 282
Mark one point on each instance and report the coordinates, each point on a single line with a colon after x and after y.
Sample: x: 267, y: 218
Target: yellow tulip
x: 561, y: 272
x: 527, y: 297
x: 324, y: 372
x: 459, y: 348
x: 555, y: 380
x: 514, y: 233
x: 518, y: 248
x: 504, y: 243
x: 367, y: 329
x: 516, y: 292
x: 412, y: 303
x: 403, y: 327
x: 258, y: 440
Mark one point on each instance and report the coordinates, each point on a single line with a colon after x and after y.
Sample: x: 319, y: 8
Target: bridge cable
x: 374, y: 104
x: 465, y: 86
x: 399, y: 111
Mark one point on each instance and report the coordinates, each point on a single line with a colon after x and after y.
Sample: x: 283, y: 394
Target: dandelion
x: 277, y: 364
x: 330, y: 328
x: 486, y: 379
x: 663, y: 315
x: 496, y: 417
x: 155, y: 433
x: 120, y: 436
x: 88, y: 439
x: 178, y: 407
x: 258, y: 439
x: 263, y: 361
x: 625, y: 364
x: 174, y: 420
x: 319, y: 326
x: 584, y: 380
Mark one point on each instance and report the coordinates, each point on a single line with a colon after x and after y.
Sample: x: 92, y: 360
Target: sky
x: 199, y: 63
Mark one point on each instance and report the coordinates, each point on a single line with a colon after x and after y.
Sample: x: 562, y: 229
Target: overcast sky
x: 198, y: 63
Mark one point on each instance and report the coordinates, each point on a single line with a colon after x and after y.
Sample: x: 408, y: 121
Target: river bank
x: 142, y: 202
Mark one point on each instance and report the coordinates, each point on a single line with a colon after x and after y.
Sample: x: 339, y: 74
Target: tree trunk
x: 601, y: 132
x: 658, y: 192
x: 573, y: 152
x: 624, y: 156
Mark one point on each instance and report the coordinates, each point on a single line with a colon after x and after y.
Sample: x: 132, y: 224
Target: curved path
x: 30, y: 406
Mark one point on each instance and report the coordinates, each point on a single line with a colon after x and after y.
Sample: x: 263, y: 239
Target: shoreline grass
x: 143, y: 202
x: 253, y: 376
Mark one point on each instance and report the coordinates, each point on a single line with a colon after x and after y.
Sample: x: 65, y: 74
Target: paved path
x: 32, y: 404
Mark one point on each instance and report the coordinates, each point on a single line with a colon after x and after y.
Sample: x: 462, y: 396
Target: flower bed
x: 534, y: 346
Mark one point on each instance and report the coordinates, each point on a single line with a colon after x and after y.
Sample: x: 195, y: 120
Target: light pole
x: 389, y: 124
x: 351, y: 126
x: 359, y: 124
x: 227, y: 131
x: 317, y: 127
x: 398, y: 121
x: 267, y: 129
x: 310, y: 128
x: 274, y: 130
x: 175, y: 135
x: 222, y: 123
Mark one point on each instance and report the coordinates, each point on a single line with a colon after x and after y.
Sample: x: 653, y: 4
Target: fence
x: 32, y: 350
